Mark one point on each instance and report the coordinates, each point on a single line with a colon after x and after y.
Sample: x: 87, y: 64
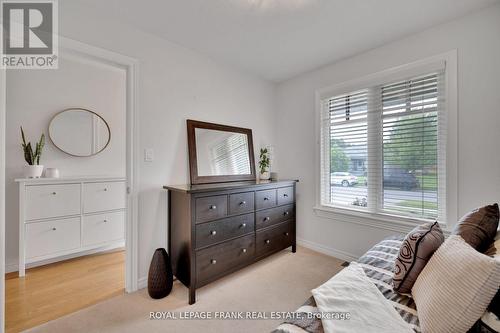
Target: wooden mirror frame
x: 193, y: 163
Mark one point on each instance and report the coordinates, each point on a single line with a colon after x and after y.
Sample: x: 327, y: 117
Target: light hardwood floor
x: 52, y: 291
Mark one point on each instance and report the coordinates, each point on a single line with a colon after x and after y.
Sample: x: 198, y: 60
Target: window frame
x: 385, y: 220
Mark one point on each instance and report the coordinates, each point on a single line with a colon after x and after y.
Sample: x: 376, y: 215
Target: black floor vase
x: 160, y: 278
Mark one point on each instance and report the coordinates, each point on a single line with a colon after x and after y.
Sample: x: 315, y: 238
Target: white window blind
x: 230, y: 156
x: 383, y: 148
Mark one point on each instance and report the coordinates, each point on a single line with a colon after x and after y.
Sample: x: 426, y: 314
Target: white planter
x: 265, y: 175
x: 33, y: 171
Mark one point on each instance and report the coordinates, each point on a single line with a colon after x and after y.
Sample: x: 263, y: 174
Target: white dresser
x: 67, y: 216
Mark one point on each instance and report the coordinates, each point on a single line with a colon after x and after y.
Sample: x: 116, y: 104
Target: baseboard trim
x: 13, y: 267
x: 142, y: 282
x: 339, y: 254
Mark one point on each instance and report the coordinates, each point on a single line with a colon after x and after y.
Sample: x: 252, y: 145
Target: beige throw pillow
x: 455, y: 287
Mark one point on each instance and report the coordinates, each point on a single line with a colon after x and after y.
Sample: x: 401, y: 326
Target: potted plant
x: 264, y: 163
x: 33, y: 169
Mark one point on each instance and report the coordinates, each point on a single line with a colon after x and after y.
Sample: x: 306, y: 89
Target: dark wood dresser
x: 216, y: 229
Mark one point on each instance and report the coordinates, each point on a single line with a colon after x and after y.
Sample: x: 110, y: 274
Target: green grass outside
x: 418, y: 204
x: 415, y: 207
x: 427, y: 182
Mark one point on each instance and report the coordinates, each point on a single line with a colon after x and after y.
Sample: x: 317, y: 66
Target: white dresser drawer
x: 50, y: 237
x: 98, y: 197
x: 102, y: 228
x: 46, y: 201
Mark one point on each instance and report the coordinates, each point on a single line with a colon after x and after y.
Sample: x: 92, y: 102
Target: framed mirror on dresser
x: 219, y: 153
x: 225, y: 219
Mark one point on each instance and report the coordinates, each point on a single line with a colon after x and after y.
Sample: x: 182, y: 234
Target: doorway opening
x: 91, y: 252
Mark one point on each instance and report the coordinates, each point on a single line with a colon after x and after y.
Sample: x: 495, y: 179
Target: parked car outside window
x: 343, y: 178
x: 399, y: 178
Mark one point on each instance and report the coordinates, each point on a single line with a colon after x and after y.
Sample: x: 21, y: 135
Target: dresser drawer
x: 102, y: 228
x: 46, y: 201
x: 50, y: 237
x: 265, y: 199
x: 213, y: 232
x: 274, y: 239
x: 285, y: 195
x: 241, y: 203
x: 269, y: 217
x: 98, y: 197
x: 211, y: 208
x: 216, y: 260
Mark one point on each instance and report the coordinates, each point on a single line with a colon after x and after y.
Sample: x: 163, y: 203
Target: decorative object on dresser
x: 219, y: 153
x: 264, y: 162
x: 216, y: 229
x: 79, y: 132
x: 160, y: 278
x: 69, y: 217
x: 33, y: 169
x: 52, y: 173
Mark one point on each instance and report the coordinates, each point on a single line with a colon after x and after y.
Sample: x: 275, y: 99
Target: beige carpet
x: 281, y: 282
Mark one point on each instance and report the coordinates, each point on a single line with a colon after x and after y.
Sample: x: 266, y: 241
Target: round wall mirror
x: 79, y: 132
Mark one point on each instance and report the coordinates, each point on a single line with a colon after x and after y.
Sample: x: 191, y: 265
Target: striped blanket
x: 378, y: 264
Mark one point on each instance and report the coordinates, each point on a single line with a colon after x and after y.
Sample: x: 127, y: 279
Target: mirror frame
x: 193, y: 163
x: 81, y: 109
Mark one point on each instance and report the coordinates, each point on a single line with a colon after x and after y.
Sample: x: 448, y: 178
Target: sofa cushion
x: 455, y: 287
x: 478, y: 228
x: 416, y: 249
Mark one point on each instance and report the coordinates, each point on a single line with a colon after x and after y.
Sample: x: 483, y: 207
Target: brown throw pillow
x: 416, y: 249
x: 479, y: 227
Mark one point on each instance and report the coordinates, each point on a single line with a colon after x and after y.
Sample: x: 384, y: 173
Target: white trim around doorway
x: 69, y: 47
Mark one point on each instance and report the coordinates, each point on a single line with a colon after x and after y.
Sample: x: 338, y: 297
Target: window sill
x: 380, y: 221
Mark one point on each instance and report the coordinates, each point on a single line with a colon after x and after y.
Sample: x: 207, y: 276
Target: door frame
x: 131, y: 66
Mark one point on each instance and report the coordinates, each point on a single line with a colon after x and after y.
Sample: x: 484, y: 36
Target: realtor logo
x: 29, y: 34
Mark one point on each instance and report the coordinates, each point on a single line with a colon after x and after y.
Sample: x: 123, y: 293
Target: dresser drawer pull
x: 286, y: 213
x: 285, y: 195
x: 105, y: 189
x: 105, y: 221
x: 213, y: 261
x: 244, y: 250
x: 268, y: 241
x: 54, y: 193
x: 213, y: 232
x: 243, y: 225
x: 287, y: 234
x: 267, y: 218
x: 243, y: 203
x: 212, y: 207
x: 266, y: 198
x: 54, y: 229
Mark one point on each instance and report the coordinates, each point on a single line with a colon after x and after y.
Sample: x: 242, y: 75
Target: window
x: 383, y: 147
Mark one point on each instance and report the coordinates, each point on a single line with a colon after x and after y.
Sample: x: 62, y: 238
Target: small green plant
x: 33, y: 158
x: 264, y: 161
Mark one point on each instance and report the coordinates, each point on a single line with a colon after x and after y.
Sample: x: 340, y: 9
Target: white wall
x: 476, y: 37
x: 174, y: 84
x: 33, y: 98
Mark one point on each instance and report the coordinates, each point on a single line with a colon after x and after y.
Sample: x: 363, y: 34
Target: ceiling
x: 278, y: 39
